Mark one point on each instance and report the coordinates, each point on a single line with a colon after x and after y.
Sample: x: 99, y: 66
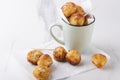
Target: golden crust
x: 33, y: 56
x: 68, y: 9
x: 45, y: 60
x: 59, y: 54
x: 77, y: 19
x: 41, y: 72
x: 80, y: 10
x: 73, y: 57
x: 99, y: 60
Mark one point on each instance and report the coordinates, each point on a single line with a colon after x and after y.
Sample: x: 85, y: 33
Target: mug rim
x: 82, y: 25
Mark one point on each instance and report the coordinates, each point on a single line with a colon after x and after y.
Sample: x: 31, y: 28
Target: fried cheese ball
x: 73, y: 57
x: 77, y: 19
x: 34, y: 55
x: 80, y: 10
x: 59, y: 54
x: 68, y: 9
x: 99, y: 60
x: 45, y: 60
x: 41, y: 72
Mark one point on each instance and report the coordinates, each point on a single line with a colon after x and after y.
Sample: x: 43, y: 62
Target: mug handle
x: 51, y: 29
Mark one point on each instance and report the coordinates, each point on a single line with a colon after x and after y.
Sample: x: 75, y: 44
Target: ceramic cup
x: 75, y: 37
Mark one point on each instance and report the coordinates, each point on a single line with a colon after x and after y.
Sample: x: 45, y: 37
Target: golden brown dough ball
x: 73, y: 57
x: 41, y: 72
x: 33, y: 56
x: 80, y: 10
x: 77, y: 19
x: 68, y: 9
x: 99, y: 60
x: 45, y: 60
x: 59, y: 54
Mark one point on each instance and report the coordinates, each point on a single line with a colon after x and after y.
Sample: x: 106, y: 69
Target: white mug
x: 75, y: 37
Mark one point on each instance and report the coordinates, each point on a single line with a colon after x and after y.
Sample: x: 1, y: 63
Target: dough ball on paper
x: 73, y: 57
x: 34, y: 55
x: 99, y: 60
x: 41, y: 72
x: 45, y: 60
x: 59, y: 54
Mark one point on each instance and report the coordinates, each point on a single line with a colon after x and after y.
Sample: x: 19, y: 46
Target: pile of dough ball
x: 43, y: 62
x: 75, y: 14
x: 72, y: 56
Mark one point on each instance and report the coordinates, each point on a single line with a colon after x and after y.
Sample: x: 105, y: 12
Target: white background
x: 19, y: 18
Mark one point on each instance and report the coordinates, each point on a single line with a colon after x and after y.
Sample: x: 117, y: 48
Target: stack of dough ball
x: 77, y: 19
x: 45, y: 60
x: 74, y: 14
x: 33, y: 56
x: 59, y: 54
x: 68, y: 9
x: 73, y: 57
x: 99, y: 60
x: 41, y: 72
